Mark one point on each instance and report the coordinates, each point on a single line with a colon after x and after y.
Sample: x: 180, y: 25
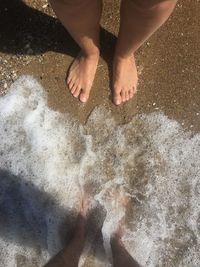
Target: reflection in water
x: 47, y: 158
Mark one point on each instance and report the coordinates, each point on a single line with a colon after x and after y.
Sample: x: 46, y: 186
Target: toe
x: 127, y: 95
x: 69, y: 78
x: 84, y: 95
x: 123, y: 94
x: 77, y: 91
x: 73, y: 88
x: 70, y: 85
x: 117, y: 100
x: 131, y: 93
x: 116, y: 96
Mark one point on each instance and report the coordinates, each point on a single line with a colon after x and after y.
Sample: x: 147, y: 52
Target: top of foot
x: 81, y: 75
x: 124, y: 79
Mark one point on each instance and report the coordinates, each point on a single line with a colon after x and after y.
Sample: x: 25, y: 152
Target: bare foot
x: 124, y: 79
x: 81, y: 75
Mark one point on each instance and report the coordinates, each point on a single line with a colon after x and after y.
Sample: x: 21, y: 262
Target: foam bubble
x: 48, y: 158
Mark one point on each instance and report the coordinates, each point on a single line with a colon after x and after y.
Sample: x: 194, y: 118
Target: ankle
x: 92, y: 54
x: 123, y: 58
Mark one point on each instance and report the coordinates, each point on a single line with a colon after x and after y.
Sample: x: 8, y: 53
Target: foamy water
x: 47, y: 159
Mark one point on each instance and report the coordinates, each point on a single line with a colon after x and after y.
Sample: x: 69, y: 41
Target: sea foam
x: 47, y: 159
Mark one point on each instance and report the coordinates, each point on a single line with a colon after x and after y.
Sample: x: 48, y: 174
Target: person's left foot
x: 81, y: 75
x: 125, y: 79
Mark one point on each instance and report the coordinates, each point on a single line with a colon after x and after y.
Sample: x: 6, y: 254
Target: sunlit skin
x: 139, y: 19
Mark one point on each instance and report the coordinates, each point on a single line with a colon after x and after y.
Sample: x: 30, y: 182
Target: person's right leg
x: 81, y: 19
x: 139, y: 20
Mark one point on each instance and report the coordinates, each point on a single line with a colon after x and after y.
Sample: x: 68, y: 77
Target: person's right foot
x: 81, y: 75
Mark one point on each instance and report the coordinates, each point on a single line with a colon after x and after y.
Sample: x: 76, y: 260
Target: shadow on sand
x: 26, y: 211
x: 24, y: 30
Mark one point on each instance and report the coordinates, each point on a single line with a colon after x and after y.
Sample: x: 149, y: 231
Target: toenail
x: 83, y: 99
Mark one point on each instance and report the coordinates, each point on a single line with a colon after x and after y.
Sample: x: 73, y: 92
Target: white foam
x: 48, y: 158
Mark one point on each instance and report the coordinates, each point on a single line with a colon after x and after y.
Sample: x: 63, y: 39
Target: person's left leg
x: 139, y: 20
x: 81, y: 18
x: 70, y: 255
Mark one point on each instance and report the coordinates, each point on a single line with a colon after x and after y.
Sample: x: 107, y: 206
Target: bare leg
x: 139, y: 20
x: 70, y: 255
x: 81, y: 19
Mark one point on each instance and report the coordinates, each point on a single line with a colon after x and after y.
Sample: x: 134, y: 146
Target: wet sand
x: 168, y: 63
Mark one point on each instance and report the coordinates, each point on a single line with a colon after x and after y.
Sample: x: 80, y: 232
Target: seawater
x: 47, y: 159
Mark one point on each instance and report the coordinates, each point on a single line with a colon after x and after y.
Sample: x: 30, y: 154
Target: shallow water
x: 47, y: 159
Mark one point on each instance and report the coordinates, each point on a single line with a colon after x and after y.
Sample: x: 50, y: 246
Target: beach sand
x: 33, y: 42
